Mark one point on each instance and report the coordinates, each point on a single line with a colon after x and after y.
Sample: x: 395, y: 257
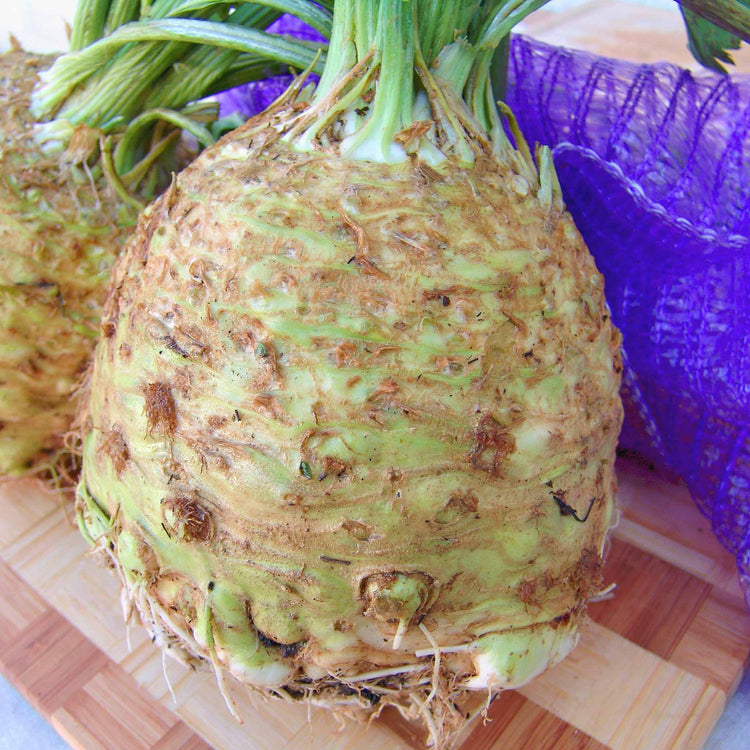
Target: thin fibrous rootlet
x: 351, y: 425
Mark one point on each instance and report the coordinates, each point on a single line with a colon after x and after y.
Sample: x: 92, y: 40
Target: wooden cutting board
x: 654, y: 669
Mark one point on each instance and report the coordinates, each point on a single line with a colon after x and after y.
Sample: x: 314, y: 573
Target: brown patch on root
x: 459, y: 504
x: 375, y: 594
x: 357, y: 230
x: 527, y: 593
x: 344, y: 354
x: 270, y: 407
x: 360, y: 531
x: 186, y: 519
x: 333, y: 467
x: 587, y: 575
x: 368, y: 267
x: 161, y: 411
x: 270, y: 376
x: 109, y: 328
x: 384, y: 391
x: 114, y: 445
x: 466, y: 502
x: 490, y: 436
x: 446, y: 294
x: 560, y: 620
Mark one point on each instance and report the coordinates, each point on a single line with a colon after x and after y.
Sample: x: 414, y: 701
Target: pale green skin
x: 283, y: 351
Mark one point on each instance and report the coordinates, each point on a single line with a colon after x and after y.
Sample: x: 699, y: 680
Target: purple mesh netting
x: 653, y: 161
x: 252, y: 98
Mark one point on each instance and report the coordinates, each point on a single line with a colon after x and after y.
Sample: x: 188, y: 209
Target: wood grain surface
x: 654, y: 669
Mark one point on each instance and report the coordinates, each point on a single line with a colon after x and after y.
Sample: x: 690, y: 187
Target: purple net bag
x: 254, y: 97
x: 654, y: 164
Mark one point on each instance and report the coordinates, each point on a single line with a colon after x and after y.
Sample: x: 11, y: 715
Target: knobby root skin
x: 341, y: 405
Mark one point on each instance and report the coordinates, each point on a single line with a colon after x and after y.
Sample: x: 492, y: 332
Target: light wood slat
x: 699, y: 724
x: 75, y: 731
x: 181, y: 737
x: 618, y: 693
x: 715, y: 646
x: 21, y: 516
x: 654, y: 602
x: 651, y: 720
x: 131, y: 712
x: 52, y: 557
x: 151, y: 671
x: 352, y: 735
x: 516, y: 722
x: 18, y: 610
x: 90, y: 700
x: 668, y: 524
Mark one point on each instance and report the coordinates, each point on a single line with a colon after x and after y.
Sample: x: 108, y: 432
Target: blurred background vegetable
x: 105, y: 131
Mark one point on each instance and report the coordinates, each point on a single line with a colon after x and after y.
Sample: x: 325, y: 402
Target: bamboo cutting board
x: 654, y: 669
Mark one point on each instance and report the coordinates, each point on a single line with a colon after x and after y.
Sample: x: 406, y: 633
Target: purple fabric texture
x: 654, y: 162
